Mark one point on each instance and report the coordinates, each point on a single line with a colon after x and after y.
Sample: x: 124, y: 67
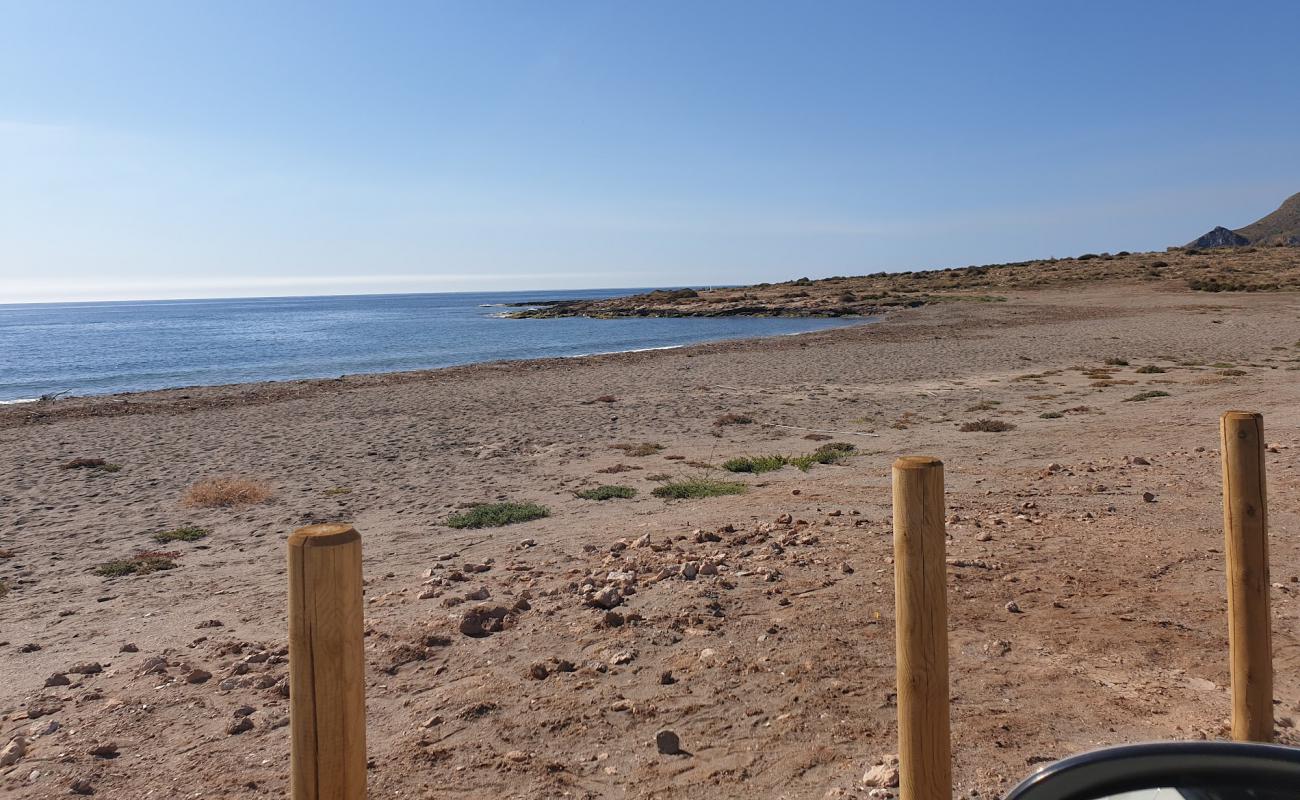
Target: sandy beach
x: 776, y: 670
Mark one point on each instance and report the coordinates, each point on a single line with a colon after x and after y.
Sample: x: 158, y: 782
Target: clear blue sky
x: 186, y: 149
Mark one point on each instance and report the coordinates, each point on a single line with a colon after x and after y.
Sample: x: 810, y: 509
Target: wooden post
x: 920, y: 578
x: 1245, y: 527
x: 326, y: 664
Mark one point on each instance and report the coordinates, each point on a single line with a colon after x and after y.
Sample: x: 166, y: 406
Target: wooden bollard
x: 920, y: 577
x: 1245, y: 527
x: 327, y: 700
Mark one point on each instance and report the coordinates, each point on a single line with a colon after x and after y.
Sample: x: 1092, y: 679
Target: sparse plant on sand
x: 639, y: 450
x: 226, y: 492
x: 733, y: 419
x: 755, y: 463
x: 1051, y: 415
x: 826, y: 454
x: 494, y: 515
x: 1149, y: 369
x: 986, y: 426
x: 1231, y: 373
x: 607, y: 492
x: 335, y: 491
x: 185, y: 533
x: 1117, y: 362
x: 141, y: 563
x: 698, y: 487
x: 1141, y: 397
x: 984, y: 405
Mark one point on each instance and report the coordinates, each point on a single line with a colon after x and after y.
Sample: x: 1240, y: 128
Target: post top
x: 1242, y: 415
x: 917, y: 462
x: 329, y: 534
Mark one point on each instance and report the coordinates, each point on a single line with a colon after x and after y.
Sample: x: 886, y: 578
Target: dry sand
x: 782, y: 664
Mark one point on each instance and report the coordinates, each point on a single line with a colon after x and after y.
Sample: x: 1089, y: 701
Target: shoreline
x: 1108, y: 393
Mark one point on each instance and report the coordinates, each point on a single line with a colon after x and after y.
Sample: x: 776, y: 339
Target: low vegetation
x: 186, y: 533
x: 987, y: 426
x: 755, y: 464
x: 1051, y: 415
x: 494, y: 515
x: 639, y: 450
x: 1150, y: 369
x: 141, y: 563
x: 826, y: 454
x: 829, y: 453
x: 698, y: 487
x: 225, y: 493
x: 607, y: 492
x: 1144, y: 396
x: 733, y: 419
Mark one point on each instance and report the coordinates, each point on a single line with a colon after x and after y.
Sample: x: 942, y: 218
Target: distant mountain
x: 1281, y: 227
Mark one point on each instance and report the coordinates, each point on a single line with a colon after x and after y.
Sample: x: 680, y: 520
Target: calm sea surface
x: 98, y: 348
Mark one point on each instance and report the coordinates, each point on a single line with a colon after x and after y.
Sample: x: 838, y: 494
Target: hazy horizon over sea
x: 89, y: 348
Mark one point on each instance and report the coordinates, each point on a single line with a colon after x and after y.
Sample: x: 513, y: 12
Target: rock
x: 1220, y: 237
x: 482, y: 620
x: 240, y: 725
x: 198, y: 676
x: 104, y: 750
x: 613, y: 619
x: 538, y: 670
x: 708, y: 654
x: 517, y: 756
x: 16, y: 749
x: 81, y: 786
x: 88, y: 668
x: 882, y: 775
x: 607, y: 598
x: 984, y: 536
x: 45, y: 728
x: 244, y: 711
x: 668, y: 743
x: 30, y: 647
x: 1148, y: 497
x: 1013, y: 607
x: 527, y: 543
x: 210, y: 623
x: 153, y: 665
x: 666, y: 678
x: 641, y: 541
x: 784, y: 519
x: 689, y: 570
x: 1139, y: 461
x: 57, y: 679
x: 846, y: 568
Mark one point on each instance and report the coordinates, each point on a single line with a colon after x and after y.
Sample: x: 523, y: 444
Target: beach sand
x: 782, y: 665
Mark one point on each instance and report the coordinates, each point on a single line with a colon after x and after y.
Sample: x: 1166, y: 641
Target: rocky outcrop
x: 1221, y: 237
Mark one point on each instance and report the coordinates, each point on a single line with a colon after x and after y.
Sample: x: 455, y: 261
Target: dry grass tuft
x: 225, y: 492
x: 987, y: 426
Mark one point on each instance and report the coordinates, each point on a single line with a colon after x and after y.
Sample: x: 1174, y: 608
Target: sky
x: 221, y: 149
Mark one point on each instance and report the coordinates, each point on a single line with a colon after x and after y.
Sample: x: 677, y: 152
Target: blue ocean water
x: 100, y: 348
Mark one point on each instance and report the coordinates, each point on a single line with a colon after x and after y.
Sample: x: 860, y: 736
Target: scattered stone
x: 883, y: 775
x: 538, y: 671
x: 244, y: 711
x: 104, y: 750
x: 846, y: 568
x: 45, y: 728
x: 482, y: 620
x: 210, y: 623
x: 666, y: 678
x: 153, y: 665
x: 1148, y: 497
x: 16, y: 749
x: 517, y: 756
x: 30, y: 647
x: 1013, y: 607
x: 198, y: 676
x: 81, y: 786
x: 240, y: 725
x: 608, y: 597
x: 129, y: 647
x: 88, y: 668
x: 668, y: 743
x: 57, y: 679
x: 1139, y: 461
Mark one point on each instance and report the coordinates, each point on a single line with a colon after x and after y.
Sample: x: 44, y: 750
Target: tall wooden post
x: 1245, y: 527
x: 326, y: 664
x: 920, y: 578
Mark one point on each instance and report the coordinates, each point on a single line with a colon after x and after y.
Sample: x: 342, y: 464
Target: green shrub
x: 829, y: 453
x: 187, y: 533
x: 607, y: 492
x: 138, y: 564
x: 494, y: 515
x: 755, y: 463
x: 696, y: 488
x: 1051, y: 415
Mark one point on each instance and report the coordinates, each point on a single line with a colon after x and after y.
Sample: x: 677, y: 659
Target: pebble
x: 81, y: 786
x: 88, y: 668
x: 1013, y: 607
x: 608, y: 597
x: 239, y: 726
x: 43, y: 728
x: 105, y: 750
x: 210, y: 623
x: 129, y: 647
x: 57, y: 679
x: 668, y: 743
x: 1148, y: 497
x: 198, y: 676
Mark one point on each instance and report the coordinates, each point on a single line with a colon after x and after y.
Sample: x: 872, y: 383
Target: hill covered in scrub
x: 1228, y: 269
x: 1281, y: 228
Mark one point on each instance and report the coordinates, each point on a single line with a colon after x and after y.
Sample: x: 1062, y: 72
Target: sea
x: 80, y: 349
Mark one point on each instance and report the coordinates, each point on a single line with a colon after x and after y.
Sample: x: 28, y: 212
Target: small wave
x: 19, y: 401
